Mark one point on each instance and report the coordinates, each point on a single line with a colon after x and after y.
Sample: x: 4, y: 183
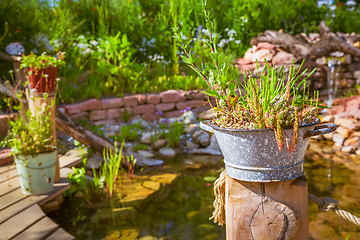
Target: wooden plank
x: 6, y: 168
x: 20, y: 222
x: 40, y: 230
x: 8, y: 174
x: 9, y: 185
x: 19, y: 206
x: 59, y: 188
x: 60, y: 234
x: 11, y: 198
x: 66, y: 161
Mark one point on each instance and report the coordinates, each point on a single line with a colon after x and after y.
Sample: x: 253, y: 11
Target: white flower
x: 183, y: 37
x: 94, y: 43
x: 231, y: 33
x: 87, y: 51
x: 238, y: 41
x: 222, y: 43
x: 82, y: 45
x: 81, y: 37
x: 205, y: 31
x: 226, y: 29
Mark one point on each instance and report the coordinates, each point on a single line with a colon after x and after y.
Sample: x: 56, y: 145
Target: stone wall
x: 348, y: 76
x: 149, y: 107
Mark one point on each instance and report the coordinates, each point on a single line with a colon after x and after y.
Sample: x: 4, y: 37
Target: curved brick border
x: 146, y: 106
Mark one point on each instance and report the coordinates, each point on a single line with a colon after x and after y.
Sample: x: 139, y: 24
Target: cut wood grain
x: 266, y: 211
x: 20, y: 222
x: 8, y: 186
x: 60, y: 234
x: 11, y: 198
x: 8, y: 175
x: 68, y: 162
x: 40, y: 230
x: 6, y: 168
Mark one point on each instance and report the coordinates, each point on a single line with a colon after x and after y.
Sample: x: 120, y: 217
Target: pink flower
x: 208, y: 184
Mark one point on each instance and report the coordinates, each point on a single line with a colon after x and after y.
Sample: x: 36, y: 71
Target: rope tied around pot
x: 324, y: 204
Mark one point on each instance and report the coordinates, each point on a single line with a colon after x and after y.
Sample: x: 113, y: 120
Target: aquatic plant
x: 109, y: 170
x: 173, y: 134
x: 131, y: 165
x: 266, y: 101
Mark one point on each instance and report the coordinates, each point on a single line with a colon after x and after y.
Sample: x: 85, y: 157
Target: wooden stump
x: 267, y: 211
x: 34, y: 104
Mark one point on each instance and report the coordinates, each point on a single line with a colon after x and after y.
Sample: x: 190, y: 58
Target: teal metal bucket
x: 36, y: 173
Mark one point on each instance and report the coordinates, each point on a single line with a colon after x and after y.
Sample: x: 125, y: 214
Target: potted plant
x: 262, y: 124
x: 42, y: 71
x: 32, y: 146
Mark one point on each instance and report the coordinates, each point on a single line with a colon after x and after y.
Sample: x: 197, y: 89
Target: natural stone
x: 145, y: 154
x: 164, y: 107
x: 94, y: 162
x: 206, y: 115
x: 328, y: 118
x: 321, y: 60
x: 190, y: 104
x: 265, y: 45
x: 190, y: 145
x: 173, y: 114
x: 261, y: 55
x: 81, y: 116
x: 213, y: 143
x: 202, y: 137
x: 153, y: 99
x: 347, y: 123
x: 160, y: 143
x: 146, y: 138
x: 105, y: 122
x: 188, y: 117
x: 347, y: 149
x: 142, y: 98
x: 73, y: 108
x: 195, y: 95
x: 357, y: 152
x: 147, y: 108
x: 191, y: 128
x: 344, y: 131
x: 112, y: 103
x: 130, y: 101
x: 353, y: 142
x: 152, y: 162
x: 139, y: 121
x: 207, y: 151
x: 247, y: 67
x: 113, y: 113
x: 284, y: 58
x: 243, y: 61
x: 338, y: 139
x: 167, y: 152
x: 91, y: 104
x: 172, y: 96
x: 150, y: 116
x: 98, y: 115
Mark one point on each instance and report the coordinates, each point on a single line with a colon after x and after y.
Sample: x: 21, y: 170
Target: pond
x: 175, y: 202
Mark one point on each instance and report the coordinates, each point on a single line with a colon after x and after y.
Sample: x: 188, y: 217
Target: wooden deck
x: 21, y: 216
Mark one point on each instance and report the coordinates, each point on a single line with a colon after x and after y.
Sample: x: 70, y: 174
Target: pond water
x: 175, y: 202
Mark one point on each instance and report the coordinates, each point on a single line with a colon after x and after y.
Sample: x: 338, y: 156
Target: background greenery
x: 115, y: 47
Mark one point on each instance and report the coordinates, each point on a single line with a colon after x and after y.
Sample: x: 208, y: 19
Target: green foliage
x: 140, y: 147
x: 109, y: 170
x: 127, y: 133
x: 173, y: 134
x: 77, y: 180
x: 42, y: 61
x: 131, y: 165
x: 30, y: 135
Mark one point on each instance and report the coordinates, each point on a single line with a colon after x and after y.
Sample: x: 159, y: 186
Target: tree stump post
x: 267, y: 210
x: 35, y: 102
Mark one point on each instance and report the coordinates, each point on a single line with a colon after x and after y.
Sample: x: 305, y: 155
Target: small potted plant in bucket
x: 32, y: 146
x: 42, y: 71
x: 262, y: 124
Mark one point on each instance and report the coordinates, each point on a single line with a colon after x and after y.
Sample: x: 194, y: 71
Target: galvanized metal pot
x: 253, y: 155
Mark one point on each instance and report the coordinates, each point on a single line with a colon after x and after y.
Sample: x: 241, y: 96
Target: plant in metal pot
x: 32, y: 145
x: 255, y: 120
x: 42, y: 71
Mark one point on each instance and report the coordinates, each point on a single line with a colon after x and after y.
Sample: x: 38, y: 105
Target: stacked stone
x: 146, y: 106
x: 349, y: 71
x: 346, y: 115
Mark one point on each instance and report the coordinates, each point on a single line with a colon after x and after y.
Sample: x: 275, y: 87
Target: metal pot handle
x: 206, y: 127
x: 321, y: 130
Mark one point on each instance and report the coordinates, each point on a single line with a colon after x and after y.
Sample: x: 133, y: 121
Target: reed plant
x: 109, y: 170
x: 266, y: 101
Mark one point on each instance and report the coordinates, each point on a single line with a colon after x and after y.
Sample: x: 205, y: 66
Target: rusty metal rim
x: 261, y: 169
x: 207, y: 122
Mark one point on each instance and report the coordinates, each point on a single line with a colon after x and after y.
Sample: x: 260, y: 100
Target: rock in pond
x: 152, y: 162
x: 94, y: 162
x: 145, y: 154
x: 159, y: 144
x: 191, y: 146
x: 167, y: 152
